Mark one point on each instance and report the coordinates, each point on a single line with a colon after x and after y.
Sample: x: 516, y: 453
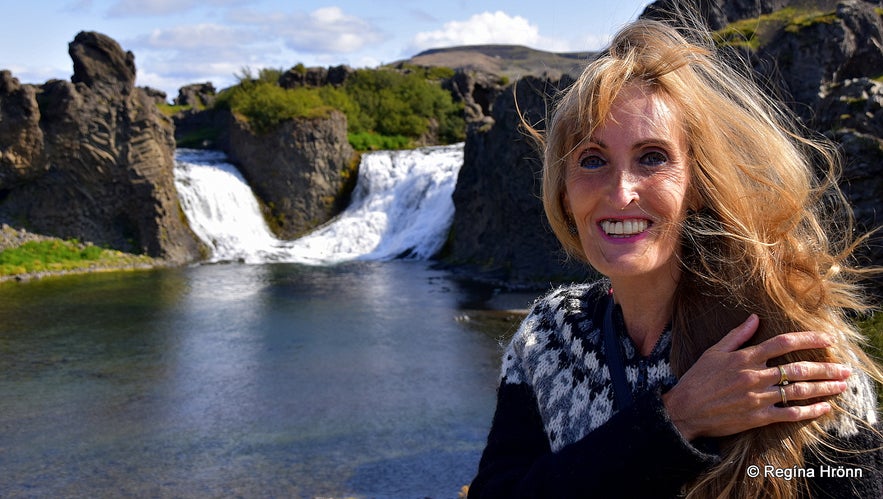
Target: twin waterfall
x: 401, y: 207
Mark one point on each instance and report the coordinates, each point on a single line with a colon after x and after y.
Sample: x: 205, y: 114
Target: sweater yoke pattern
x: 558, y: 352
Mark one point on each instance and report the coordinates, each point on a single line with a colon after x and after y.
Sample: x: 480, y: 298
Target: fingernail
x: 845, y: 371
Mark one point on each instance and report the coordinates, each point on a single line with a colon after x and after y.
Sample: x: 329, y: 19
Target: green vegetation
x: 385, y: 108
x: 200, y: 137
x: 755, y: 32
x: 172, y: 109
x: 265, y: 105
x: 873, y: 330
x: 56, y: 255
x: 367, y: 141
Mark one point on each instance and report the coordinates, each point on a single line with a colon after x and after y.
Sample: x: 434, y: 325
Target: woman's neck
x: 646, y: 308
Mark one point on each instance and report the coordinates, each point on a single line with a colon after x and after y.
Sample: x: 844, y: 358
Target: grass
x: 55, y: 256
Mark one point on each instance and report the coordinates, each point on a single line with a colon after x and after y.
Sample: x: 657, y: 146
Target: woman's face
x: 626, y: 185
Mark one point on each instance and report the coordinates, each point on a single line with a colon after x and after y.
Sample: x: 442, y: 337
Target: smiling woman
x: 718, y: 343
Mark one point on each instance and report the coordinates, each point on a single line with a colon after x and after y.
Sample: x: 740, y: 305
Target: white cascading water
x: 401, y: 207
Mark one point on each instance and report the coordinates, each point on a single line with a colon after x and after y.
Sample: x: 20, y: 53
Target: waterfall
x: 401, y: 207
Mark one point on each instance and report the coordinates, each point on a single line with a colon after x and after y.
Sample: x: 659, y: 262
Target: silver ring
x: 783, y: 378
x: 782, y: 393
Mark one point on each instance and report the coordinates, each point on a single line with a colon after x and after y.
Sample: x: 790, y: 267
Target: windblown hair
x: 757, y: 238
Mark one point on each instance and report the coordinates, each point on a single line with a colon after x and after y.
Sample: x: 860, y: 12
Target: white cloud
x: 490, y: 28
x: 194, y: 36
x: 323, y: 31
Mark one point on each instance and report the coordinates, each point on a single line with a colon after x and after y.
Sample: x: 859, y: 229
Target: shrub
x: 384, y: 108
x: 266, y: 104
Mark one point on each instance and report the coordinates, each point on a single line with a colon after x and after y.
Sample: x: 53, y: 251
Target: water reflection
x: 353, y: 380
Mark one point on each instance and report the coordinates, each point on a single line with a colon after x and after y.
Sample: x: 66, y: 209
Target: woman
x: 715, y: 359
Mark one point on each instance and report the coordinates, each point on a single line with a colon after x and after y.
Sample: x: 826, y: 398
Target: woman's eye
x: 591, y: 162
x: 654, y: 158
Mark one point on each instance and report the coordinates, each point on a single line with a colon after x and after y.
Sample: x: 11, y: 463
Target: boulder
x: 92, y: 158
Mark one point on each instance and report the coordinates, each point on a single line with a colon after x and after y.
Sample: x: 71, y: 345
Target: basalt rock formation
x: 92, y: 158
x: 299, y: 170
x: 499, y: 230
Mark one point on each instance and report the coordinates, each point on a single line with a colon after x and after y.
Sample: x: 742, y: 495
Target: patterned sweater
x: 557, y: 433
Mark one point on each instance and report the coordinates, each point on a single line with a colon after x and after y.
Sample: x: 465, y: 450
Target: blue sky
x: 177, y: 42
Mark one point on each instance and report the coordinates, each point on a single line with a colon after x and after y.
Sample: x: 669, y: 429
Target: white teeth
x: 624, y: 228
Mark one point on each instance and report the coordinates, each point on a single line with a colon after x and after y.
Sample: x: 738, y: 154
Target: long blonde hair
x: 756, y: 238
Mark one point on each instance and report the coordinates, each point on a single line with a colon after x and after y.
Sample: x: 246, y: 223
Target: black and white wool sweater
x: 557, y: 433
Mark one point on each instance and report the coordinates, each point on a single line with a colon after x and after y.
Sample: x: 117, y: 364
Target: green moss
x: 171, y: 110
x: 56, y: 255
x: 756, y: 32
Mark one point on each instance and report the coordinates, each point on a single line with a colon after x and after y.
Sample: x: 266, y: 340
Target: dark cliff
x: 499, y: 229
x: 92, y: 158
x: 824, y: 66
x: 299, y: 169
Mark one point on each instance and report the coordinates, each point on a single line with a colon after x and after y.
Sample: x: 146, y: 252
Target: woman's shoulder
x: 553, y: 321
x: 571, y: 298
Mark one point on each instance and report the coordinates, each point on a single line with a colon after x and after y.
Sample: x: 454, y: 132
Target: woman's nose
x: 624, y: 188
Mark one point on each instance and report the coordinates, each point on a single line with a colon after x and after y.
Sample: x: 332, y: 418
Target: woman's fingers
x: 797, y: 392
x: 790, y: 342
x: 796, y: 413
x: 738, y: 335
x: 806, y: 371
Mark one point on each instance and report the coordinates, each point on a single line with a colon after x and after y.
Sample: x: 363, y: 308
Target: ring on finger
x: 783, y: 377
x: 783, y: 395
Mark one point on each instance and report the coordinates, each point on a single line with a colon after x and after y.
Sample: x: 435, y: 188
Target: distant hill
x: 513, y: 61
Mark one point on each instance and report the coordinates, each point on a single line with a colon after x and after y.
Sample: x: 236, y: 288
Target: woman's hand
x: 729, y: 390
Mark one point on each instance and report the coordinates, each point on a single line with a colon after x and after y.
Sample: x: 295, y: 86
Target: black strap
x: 613, y: 350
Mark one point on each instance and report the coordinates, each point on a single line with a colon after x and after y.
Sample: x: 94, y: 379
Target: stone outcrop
x: 197, y: 95
x: 718, y: 13
x: 300, y: 76
x: 477, y: 91
x: 299, y: 169
x: 92, y: 158
x: 499, y: 229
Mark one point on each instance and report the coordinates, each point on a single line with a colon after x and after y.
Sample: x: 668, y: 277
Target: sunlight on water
x: 353, y: 380
x: 401, y: 206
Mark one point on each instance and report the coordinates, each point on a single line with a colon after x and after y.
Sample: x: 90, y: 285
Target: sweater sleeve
x: 637, y: 453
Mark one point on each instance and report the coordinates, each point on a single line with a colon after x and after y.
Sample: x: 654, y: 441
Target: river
x: 365, y: 377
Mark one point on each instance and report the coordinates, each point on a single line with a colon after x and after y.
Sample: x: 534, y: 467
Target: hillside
x: 512, y: 61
